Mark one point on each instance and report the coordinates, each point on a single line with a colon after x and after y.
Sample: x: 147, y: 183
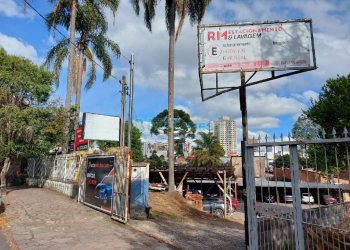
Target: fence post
x: 34, y: 167
x: 251, y: 199
x: 297, y: 211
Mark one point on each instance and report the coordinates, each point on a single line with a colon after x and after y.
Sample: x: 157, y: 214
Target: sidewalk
x: 43, y: 219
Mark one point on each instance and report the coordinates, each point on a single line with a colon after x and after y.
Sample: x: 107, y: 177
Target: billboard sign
x: 99, y: 182
x: 268, y: 46
x: 101, y: 127
x: 80, y: 143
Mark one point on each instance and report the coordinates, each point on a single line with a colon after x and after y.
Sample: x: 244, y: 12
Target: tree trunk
x: 172, y: 14
x: 4, y: 171
x: 71, y: 63
x: 78, y: 90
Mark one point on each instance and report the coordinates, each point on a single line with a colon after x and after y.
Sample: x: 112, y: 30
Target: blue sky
x: 272, y: 107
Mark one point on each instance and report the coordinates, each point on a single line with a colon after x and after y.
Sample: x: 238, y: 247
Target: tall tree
x: 91, y: 28
x: 332, y: 109
x: 72, y: 11
x: 195, y: 9
x: 208, y: 151
x: 184, y: 127
x: 31, y: 125
x: 305, y: 129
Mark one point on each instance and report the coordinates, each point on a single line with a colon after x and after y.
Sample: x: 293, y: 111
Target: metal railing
x: 59, y: 167
x: 299, y: 198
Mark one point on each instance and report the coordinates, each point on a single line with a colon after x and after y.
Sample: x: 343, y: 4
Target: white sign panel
x: 101, y: 127
x: 252, y: 47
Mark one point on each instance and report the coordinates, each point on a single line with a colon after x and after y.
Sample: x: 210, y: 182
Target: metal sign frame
x: 218, y: 90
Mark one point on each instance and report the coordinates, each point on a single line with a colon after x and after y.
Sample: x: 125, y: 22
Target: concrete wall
x: 69, y: 189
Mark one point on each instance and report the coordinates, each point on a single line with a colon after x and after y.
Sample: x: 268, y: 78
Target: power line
x: 63, y: 35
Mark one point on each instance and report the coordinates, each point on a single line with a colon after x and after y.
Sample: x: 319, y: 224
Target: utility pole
x: 122, y: 125
x: 131, y: 98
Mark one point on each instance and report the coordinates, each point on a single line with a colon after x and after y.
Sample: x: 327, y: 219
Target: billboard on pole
x: 269, y: 46
x: 101, y: 127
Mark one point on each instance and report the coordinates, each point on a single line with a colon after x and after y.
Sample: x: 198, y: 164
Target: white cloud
x: 311, y: 95
x: 11, y: 9
x: 332, y: 55
x: 263, y: 122
x: 183, y: 108
x: 328, y: 16
x: 13, y: 46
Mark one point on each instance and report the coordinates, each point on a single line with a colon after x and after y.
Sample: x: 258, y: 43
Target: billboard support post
x: 243, y: 107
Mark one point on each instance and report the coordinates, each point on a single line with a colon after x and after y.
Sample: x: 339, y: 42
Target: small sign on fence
x: 80, y: 143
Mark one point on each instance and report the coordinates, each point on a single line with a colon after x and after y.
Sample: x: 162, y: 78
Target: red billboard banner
x: 80, y: 143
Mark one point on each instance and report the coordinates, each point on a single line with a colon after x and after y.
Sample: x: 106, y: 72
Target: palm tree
x: 195, y: 9
x: 91, y: 28
x: 208, y: 151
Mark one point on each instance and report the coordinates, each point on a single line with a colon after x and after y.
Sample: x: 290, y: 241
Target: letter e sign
x: 214, y: 51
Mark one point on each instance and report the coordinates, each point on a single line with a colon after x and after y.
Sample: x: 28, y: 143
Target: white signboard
x: 101, y: 127
x: 255, y: 46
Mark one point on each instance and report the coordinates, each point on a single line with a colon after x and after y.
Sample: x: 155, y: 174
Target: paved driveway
x: 43, y: 219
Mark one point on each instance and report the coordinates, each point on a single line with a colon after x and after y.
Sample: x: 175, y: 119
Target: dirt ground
x: 179, y: 224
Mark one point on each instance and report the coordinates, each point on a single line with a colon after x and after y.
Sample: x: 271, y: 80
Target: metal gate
x: 298, y: 195
x: 111, y: 193
x: 122, y: 173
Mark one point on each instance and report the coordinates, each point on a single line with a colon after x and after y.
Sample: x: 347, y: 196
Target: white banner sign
x: 252, y: 47
x: 101, y: 127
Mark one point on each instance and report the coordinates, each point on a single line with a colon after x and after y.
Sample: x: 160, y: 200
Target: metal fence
x: 302, y: 200
x: 59, y: 167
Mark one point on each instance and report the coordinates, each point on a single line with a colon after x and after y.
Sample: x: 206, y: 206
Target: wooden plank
x: 162, y: 176
x: 181, y: 182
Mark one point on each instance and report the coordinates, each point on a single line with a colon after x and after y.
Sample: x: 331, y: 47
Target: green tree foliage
x: 136, y: 145
x: 283, y: 161
x: 332, y: 109
x: 305, y: 129
x: 195, y: 9
x: 31, y: 126
x: 155, y: 161
x: 184, y: 127
x: 208, y: 151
